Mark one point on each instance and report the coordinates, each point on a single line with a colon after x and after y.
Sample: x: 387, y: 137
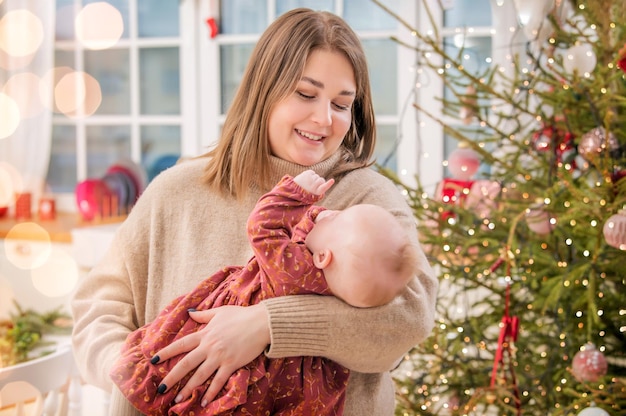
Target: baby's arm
x: 313, y: 183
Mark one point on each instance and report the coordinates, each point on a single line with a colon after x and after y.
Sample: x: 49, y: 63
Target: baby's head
x: 366, y: 255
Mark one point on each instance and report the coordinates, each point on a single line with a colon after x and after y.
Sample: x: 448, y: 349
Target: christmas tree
x: 530, y: 252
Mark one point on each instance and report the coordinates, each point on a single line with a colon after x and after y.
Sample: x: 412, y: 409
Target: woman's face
x: 309, y: 125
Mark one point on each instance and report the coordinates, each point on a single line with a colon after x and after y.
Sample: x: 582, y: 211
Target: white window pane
x: 157, y: 18
x: 366, y: 15
x: 243, y: 16
x: 465, y: 13
x: 382, y: 56
x: 159, y: 79
x: 111, y: 69
x: 62, y: 167
x: 233, y: 60
x: 284, y: 5
x: 106, y: 145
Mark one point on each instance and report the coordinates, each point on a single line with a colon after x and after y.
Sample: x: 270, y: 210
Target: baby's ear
x: 322, y: 258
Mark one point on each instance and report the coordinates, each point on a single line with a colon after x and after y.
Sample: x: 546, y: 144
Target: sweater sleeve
x: 367, y: 340
x: 104, y: 306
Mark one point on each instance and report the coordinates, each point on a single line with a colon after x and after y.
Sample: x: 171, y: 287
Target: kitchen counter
x: 59, y: 229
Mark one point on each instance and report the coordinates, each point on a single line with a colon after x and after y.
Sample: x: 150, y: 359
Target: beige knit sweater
x: 179, y: 232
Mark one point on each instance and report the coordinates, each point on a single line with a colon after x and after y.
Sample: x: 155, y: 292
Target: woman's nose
x: 322, y: 113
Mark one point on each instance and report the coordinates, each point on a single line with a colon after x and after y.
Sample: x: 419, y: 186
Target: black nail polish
x: 161, y: 389
x: 191, y: 310
x: 155, y: 359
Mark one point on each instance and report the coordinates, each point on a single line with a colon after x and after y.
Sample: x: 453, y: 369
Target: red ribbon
x: 509, y: 326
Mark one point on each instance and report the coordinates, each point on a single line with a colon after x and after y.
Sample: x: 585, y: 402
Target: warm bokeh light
x: 13, y: 63
x: 10, y: 116
x: 99, y: 26
x: 25, y: 89
x: 27, y: 246
x: 57, y: 276
x: 21, y: 33
x: 50, y: 79
x: 77, y: 94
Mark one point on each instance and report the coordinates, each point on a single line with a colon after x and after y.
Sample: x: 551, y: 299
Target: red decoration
x: 23, y: 206
x: 47, y: 209
x: 615, y: 230
x: 589, y: 364
x: 452, y: 191
x: 213, y: 29
x: 621, y: 58
x: 509, y: 329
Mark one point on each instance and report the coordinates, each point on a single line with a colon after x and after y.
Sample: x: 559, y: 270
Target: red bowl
x: 91, y: 195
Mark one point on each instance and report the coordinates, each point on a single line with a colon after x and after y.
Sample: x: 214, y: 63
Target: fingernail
x: 161, y: 389
x: 155, y: 359
x: 204, y: 403
x: 178, y: 398
x: 191, y: 310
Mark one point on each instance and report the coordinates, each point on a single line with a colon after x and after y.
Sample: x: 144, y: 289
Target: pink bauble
x: 463, y: 163
x: 538, y: 221
x: 615, y: 230
x: 595, y: 142
x: 482, y: 197
x: 589, y: 364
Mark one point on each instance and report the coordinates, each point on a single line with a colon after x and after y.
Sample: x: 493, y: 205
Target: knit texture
x: 179, y: 232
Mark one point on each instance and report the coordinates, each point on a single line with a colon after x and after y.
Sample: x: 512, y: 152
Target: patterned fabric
x: 282, y: 265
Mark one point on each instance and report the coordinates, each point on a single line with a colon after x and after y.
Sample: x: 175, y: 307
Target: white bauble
x: 579, y: 58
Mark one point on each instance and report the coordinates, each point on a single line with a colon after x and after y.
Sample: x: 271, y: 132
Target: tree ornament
x: 615, y: 230
x: 589, y: 364
x: 538, y: 220
x: 621, y: 58
x: 595, y: 142
x: 482, y: 197
x: 579, y: 58
x: 543, y: 139
x: 463, y: 162
x: 592, y: 410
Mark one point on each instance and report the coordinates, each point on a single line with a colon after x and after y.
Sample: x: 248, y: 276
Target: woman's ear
x: 322, y: 258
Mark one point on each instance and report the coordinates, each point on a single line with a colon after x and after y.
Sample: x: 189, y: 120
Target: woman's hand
x: 232, y: 338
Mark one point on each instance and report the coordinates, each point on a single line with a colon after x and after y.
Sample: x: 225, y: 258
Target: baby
x: 360, y: 255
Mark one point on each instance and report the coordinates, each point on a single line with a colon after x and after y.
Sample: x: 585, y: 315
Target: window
x: 132, y: 99
x: 145, y: 92
x: 392, y: 67
x: 482, y: 30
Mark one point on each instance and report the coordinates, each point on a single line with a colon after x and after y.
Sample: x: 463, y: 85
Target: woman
x: 304, y: 103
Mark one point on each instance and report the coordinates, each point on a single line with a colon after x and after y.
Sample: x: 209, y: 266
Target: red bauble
x: 615, y: 230
x: 589, y: 364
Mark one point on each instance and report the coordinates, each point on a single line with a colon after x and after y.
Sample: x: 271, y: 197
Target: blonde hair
x: 242, y: 155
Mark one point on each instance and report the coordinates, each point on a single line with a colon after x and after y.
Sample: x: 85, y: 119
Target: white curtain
x: 25, y: 79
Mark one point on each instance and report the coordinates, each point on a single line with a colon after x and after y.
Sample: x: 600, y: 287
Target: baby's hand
x: 313, y: 183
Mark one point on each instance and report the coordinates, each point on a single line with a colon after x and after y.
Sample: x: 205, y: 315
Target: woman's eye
x: 305, y: 96
x: 342, y: 107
